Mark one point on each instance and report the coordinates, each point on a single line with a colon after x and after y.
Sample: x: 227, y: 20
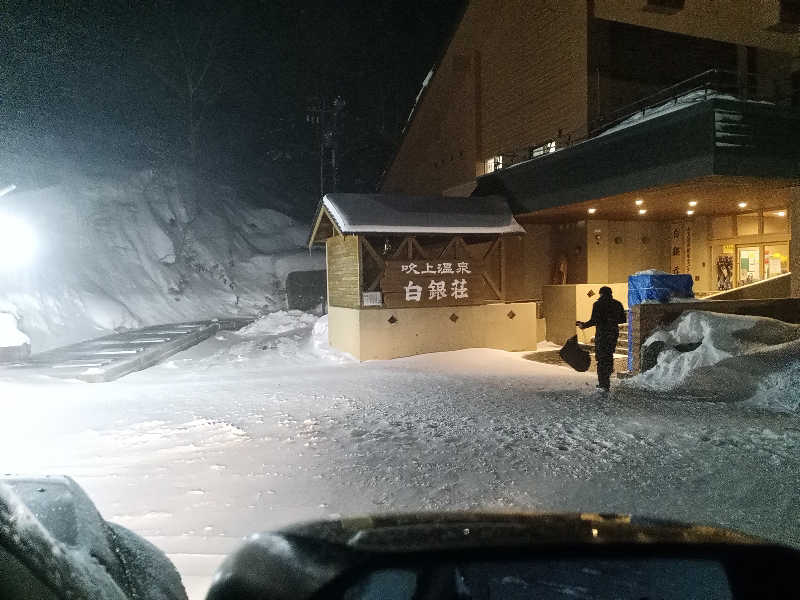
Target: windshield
x: 266, y: 262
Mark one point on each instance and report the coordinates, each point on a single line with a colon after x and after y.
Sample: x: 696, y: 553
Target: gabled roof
x: 422, y: 215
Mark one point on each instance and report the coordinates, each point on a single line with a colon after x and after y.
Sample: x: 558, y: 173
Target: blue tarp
x: 658, y: 286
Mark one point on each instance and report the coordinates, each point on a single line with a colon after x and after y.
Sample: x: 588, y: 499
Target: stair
x: 622, y: 341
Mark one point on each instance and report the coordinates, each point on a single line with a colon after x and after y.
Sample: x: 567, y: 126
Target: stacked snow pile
x: 144, y: 250
x: 277, y: 339
x: 725, y: 357
x: 10, y: 335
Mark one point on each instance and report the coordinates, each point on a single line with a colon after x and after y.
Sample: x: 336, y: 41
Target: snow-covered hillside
x: 143, y: 250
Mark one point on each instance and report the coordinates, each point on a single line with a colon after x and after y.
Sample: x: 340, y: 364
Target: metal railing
x: 712, y: 83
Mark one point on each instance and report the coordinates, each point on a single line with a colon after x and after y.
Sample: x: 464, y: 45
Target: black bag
x: 575, y: 356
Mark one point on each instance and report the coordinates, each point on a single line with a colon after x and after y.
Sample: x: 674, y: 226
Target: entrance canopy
x: 710, y: 141
x: 703, y: 196
x: 411, y: 215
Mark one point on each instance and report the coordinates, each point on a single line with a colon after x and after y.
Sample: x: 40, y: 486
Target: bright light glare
x: 591, y: 211
x: 690, y: 212
x: 693, y: 203
x: 781, y: 213
x: 742, y: 204
x: 17, y: 243
x: 642, y: 211
x: 639, y: 202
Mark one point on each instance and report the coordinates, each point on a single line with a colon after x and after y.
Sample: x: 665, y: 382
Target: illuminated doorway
x: 748, y: 264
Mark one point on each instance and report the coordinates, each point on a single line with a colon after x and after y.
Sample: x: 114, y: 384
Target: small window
x: 547, y: 148
x: 494, y: 164
x: 747, y: 224
x: 776, y: 221
x: 722, y: 228
x: 669, y: 7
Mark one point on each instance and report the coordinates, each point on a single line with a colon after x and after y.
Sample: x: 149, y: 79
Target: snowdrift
x: 142, y: 250
x: 738, y: 358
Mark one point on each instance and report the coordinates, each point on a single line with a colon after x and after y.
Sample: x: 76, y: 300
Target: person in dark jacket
x: 607, y: 314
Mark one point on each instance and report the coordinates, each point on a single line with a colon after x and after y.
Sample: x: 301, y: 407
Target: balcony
x: 715, y: 125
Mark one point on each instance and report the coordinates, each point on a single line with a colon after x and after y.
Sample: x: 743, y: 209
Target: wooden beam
x: 450, y: 245
x: 378, y: 260
x: 398, y: 253
x: 492, y: 248
x: 420, y: 250
x: 323, y: 213
x: 492, y: 285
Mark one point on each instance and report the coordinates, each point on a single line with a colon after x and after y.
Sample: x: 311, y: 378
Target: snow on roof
x: 677, y: 103
x: 651, y: 112
x: 392, y: 213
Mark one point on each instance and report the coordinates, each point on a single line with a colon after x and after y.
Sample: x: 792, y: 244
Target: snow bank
x: 142, y: 250
x: 737, y: 357
x: 278, y: 322
x: 779, y: 391
x: 10, y: 335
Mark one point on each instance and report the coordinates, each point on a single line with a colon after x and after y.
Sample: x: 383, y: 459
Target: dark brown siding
x: 513, y: 76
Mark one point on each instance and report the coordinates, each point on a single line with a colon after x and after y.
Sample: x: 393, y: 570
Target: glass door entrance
x: 776, y: 259
x: 748, y: 264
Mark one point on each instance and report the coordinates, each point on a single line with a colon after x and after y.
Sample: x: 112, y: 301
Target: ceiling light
x: 689, y: 212
x: 781, y: 213
x: 742, y: 204
x: 642, y: 211
x: 693, y: 203
x: 591, y: 211
x: 639, y: 202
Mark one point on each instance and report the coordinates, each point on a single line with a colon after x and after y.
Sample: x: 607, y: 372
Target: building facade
x: 625, y: 135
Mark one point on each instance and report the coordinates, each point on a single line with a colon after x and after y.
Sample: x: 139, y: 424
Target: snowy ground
x: 256, y: 429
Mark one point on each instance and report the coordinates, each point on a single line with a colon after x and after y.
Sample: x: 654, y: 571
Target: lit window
x: 747, y: 223
x: 547, y: 148
x: 494, y: 164
x: 775, y: 221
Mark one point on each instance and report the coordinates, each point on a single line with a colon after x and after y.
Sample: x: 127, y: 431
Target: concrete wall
x: 529, y: 263
x: 565, y: 304
x: 646, y: 318
x: 368, y: 334
x: 344, y: 329
x: 775, y: 287
x: 617, y: 249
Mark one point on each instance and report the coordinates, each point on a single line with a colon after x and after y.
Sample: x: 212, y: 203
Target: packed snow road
x: 252, y: 430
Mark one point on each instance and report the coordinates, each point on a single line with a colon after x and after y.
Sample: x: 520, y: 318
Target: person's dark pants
x: 604, y: 345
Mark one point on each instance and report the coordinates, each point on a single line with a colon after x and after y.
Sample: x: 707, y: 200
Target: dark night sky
x: 217, y: 88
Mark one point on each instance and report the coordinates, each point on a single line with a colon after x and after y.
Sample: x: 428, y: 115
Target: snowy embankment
x: 143, y: 250
x: 728, y: 357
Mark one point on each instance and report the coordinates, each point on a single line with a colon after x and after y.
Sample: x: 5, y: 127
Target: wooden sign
x: 441, y: 282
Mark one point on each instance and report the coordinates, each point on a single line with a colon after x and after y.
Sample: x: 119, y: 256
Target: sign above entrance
x: 433, y: 283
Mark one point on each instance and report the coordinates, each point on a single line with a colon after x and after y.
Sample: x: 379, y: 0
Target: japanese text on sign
x: 437, y: 290
x: 442, y: 268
